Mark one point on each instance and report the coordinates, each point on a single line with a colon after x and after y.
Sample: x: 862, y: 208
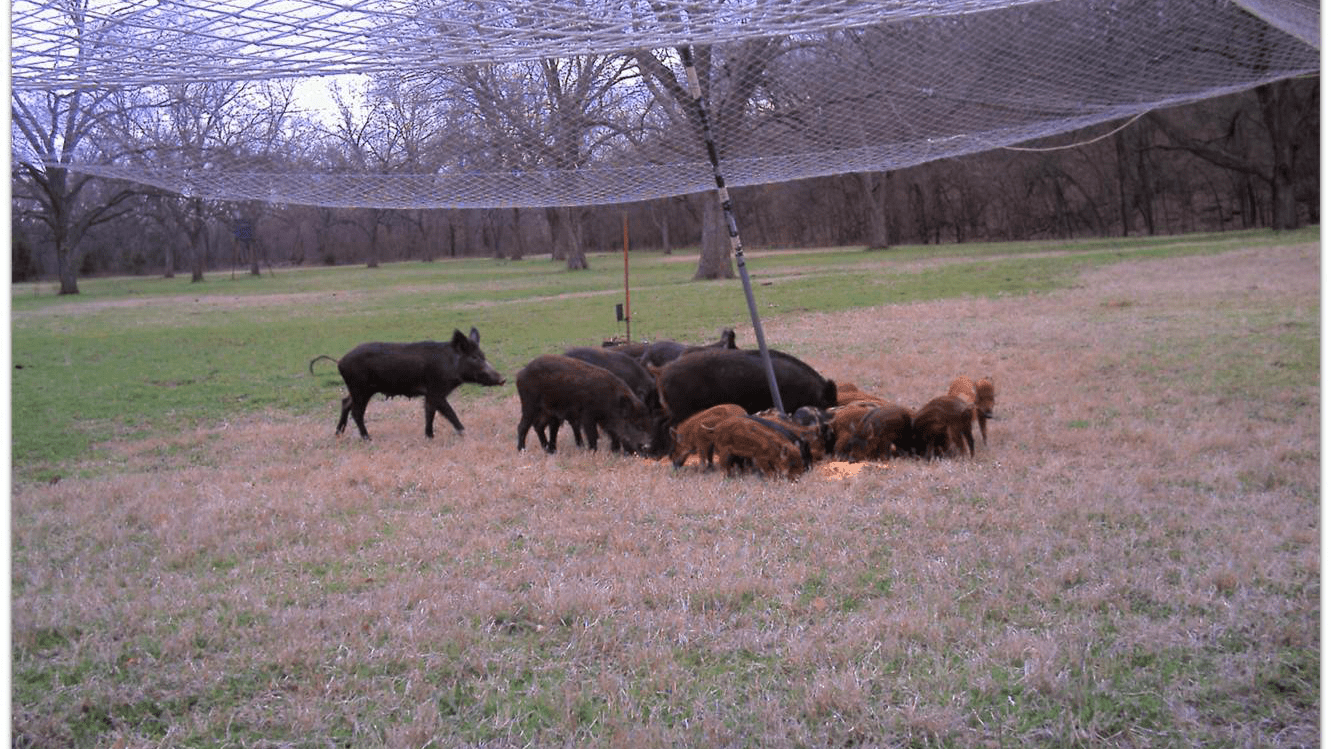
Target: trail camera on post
x: 243, y: 230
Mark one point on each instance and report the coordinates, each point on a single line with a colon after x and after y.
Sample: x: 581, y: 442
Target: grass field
x: 1132, y: 560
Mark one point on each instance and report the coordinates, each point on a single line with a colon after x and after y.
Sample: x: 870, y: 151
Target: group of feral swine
x: 859, y: 427
x: 667, y: 398
x: 714, y: 401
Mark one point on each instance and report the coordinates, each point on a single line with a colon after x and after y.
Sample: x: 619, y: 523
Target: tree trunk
x: 873, y: 185
x: 566, y: 237
x: 577, y: 256
x: 714, y: 255
x: 1145, y: 193
x: 1274, y: 99
x: 519, y: 245
x: 554, y: 217
x: 68, y: 267
x: 197, y: 253
x: 921, y: 212
x: 1124, y: 182
x: 66, y: 250
x: 661, y: 217
x: 373, y: 260
x: 195, y: 231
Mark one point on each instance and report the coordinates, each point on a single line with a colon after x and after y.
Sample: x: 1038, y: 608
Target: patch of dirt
x: 840, y: 470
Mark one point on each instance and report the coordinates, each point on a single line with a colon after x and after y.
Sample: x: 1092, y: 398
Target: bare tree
x: 730, y: 78
x: 195, y: 128
x: 550, y: 114
x: 392, y: 126
x: 1285, y: 120
x: 52, y: 130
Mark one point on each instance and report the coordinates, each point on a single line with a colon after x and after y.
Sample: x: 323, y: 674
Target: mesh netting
x: 578, y: 102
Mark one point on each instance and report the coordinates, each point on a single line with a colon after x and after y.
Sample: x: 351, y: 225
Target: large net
x: 582, y: 102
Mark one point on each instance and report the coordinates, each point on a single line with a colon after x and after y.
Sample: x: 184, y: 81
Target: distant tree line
x: 1245, y: 160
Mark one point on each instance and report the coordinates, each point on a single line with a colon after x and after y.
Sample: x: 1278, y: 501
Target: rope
x: 1079, y: 144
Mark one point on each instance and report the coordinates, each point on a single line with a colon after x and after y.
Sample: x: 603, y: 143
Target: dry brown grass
x: 1132, y: 560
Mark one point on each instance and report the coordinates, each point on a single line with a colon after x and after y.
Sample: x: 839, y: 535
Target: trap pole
x: 695, y: 90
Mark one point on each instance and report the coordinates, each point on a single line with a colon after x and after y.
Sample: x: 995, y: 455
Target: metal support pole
x: 695, y: 90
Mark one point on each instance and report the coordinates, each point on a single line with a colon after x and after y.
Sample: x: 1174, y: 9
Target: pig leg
x: 707, y: 452
x: 346, y: 411
x: 433, y: 404
x: 358, y: 404
x: 527, y: 422
x: 552, y: 425
x: 589, y: 432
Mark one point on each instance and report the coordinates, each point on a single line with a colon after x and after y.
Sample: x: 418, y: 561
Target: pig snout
x: 488, y: 375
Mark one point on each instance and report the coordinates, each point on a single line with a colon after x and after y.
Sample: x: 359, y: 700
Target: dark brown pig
x: 867, y: 430
x: 623, y: 366
x: 554, y: 389
x: 940, y: 425
x: 640, y: 381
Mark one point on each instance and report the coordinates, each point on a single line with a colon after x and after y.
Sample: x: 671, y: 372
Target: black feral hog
x: 426, y: 369
x: 867, y: 430
x: 980, y: 394
x: 745, y: 440
x: 661, y: 353
x: 697, y: 434
x: 554, y: 389
x: 940, y: 425
x: 706, y: 378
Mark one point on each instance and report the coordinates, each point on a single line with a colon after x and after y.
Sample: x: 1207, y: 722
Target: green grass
x: 134, y: 356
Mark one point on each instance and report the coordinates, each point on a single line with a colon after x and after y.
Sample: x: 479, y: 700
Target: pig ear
x: 475, y: 336
x: 461, y: 342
